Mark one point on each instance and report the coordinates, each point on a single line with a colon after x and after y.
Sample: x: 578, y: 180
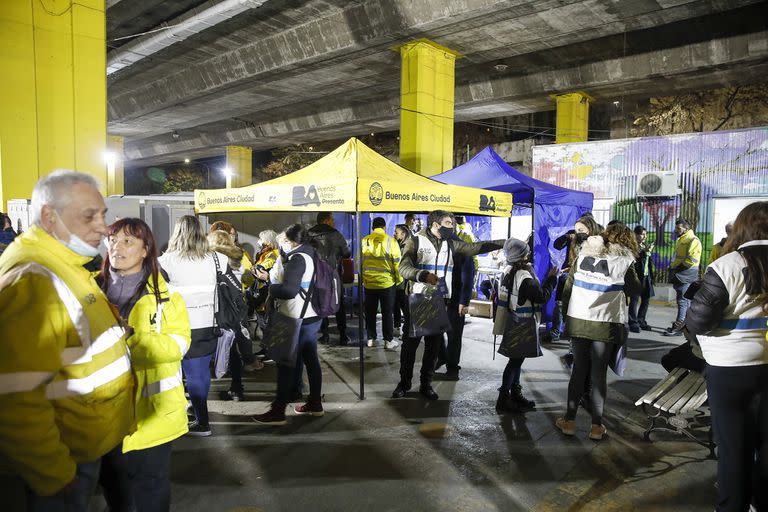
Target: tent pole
x: 360, y: 327
x: 533, y: 227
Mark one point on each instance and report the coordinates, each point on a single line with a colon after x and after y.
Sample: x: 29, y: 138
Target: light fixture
x: 186, y: 160
x: 110, y: 158
x: 616, y: 103
x: 500, y: 67
x: 227, y: 172
x: 175, y: 135
x: 372, y: 135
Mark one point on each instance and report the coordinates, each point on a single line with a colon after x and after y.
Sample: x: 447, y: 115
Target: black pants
x: 450, y: 350
x: 341, y: 322
x: 638, y: 308
x: 588, y: 357
x: 738, y: 399
x: 241, y: 353
x: 408, y: 355
x: 386, y: 298
x: 401, y: 304
x: 137, y: 481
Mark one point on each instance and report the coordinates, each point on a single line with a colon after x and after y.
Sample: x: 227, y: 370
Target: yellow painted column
x: 572, y: 124
x: 239, y: 166
x: 115, y: 160
x: 52, y: 91
x: 426, y: 107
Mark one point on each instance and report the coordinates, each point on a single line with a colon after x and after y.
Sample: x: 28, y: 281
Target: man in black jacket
x: 331, y: 247
x: 423, y: 263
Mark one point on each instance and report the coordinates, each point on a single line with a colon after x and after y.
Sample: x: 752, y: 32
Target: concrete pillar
x: 240, y: 166
x: 115, y: 160
x: 572, y: 117
x: 52, y: 92
x: 426, y: 107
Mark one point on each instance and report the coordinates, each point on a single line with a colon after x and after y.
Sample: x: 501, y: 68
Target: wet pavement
x: 453, y: 454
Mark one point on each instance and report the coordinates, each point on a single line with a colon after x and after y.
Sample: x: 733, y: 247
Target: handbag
x: 428, y: 314
x: 223, y: 350
x: 520, y: 337
x: 281, y: 336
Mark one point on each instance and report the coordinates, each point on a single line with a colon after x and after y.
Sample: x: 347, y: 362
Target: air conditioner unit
x: 657, y: 184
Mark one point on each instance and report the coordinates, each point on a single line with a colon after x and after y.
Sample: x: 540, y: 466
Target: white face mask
x: 286, y: 247
x: 77, y: 244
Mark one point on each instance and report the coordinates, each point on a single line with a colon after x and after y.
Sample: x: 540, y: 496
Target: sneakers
x: 391, y: 344
x: 675, y: 330
x: 311, y: 408
x: 234, y: 396
x: 274, y: 416
x: 554, y: 335
x: 371, y: 343
x: 597, y: 432
x: 567, y: 427
x: 646, y: 327
x: 451, y: 374
x: 401, y: 389
x: 428, y: 393
x: 634, y: 328
x: 198, y: 430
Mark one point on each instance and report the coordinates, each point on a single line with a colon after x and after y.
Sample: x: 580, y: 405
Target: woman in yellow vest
x: 135, y: 476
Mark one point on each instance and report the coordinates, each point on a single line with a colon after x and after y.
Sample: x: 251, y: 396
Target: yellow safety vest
x: 161, y: 338
x: 381, y: 261
x: 687, y: 250
x: 66, y: 387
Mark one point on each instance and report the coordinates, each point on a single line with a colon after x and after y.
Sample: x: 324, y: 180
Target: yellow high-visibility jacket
x: 381, y: 261
x: 248, y: 277
x: 160, y: 339
x: 687, y: 251
x: 66, y: 387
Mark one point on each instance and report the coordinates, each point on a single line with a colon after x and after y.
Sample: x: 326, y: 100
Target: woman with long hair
x: 402, y: 234
x: 729, y: 313
x: 135, y: 475
x: 293, y: 297
x: 595, y: 298
x: 191, y: 268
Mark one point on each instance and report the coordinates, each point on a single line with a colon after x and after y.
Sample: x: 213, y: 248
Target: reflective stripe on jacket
x: 436, y: 262
x: 66, y: 389
x: 160, y: 339
x: 381, y: 261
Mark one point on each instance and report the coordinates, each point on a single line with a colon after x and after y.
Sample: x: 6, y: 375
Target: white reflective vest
x: 598, y: 289
x: 292, y: 307
x: 509, y: 300
x: 439, y: 263
x: 740, y: 339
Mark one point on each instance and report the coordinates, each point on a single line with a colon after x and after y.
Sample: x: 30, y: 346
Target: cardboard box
x: 481, y: 308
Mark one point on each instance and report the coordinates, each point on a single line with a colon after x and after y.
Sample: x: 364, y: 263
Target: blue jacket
x: 464, y: 280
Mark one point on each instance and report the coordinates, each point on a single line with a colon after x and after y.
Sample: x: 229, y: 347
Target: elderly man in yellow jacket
x: 381, y: 275
x: 66, y: 387
x: 683, y: 271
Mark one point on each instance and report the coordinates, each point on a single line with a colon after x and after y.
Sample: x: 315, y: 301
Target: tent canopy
x: 489, y: 170
x: 352, y: 178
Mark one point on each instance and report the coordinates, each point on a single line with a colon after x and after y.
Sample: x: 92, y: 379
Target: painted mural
x: 731, y: 163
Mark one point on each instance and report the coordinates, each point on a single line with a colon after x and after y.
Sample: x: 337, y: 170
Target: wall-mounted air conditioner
x: 657, y: 184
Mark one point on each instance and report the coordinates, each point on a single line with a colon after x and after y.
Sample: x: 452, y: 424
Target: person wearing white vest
x: 520, y: 292
x: 293, y: 296
x: 428, y: 259
x: 595, y: 300
x: 728, y: 314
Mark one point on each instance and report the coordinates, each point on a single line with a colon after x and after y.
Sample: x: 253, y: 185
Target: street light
x: 228, y: 175
x: 186, y: 160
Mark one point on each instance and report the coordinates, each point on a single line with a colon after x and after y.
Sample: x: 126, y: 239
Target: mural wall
x: 732, y: 163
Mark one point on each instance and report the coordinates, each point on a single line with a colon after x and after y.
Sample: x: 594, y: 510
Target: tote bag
x: 428, y: 314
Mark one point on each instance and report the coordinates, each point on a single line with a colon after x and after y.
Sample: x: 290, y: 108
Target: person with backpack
x: 428, y: 259
x: 294, y: 298
x: 136, y: 474
x: 332, y: 248
x: 520, y: 297
x: 192, y: 272
x: 241, y: 356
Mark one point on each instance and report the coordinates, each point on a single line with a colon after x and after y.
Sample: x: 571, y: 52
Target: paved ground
x: 454, y: 454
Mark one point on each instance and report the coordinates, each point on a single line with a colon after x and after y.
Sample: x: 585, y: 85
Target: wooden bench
x: 676, y: 404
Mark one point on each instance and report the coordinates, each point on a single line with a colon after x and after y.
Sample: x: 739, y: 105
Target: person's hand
x: 260, y: 274
x: 69, y: 488
x: 431, y: 279
x: 572, y: 236
x: 552, y: 272
x: 463, y: 310
x: 129, y: 331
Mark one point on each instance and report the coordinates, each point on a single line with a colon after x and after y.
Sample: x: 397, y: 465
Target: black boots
x: 522, y: 403
x: 505, y: 404
x: 513, y: 401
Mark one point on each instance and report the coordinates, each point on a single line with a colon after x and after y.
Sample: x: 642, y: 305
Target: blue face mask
x: 77, y: 244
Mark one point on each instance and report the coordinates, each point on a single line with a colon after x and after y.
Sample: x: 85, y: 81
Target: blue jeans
x: 75, y: 499
x: 197, y: 372
x: 682, y: 302
x: 286, y: 376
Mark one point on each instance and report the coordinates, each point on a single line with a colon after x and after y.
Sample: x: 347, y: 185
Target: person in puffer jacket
x: 595, y: 299
x: 728, y: 314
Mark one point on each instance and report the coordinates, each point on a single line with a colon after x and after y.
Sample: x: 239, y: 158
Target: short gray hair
x: 270, y: 237
x: 52, y: 190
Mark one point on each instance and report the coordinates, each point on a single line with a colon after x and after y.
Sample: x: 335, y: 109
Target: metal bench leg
x: 652, y: 426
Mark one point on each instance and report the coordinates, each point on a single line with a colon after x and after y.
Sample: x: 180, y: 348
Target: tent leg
x: 360, y: 327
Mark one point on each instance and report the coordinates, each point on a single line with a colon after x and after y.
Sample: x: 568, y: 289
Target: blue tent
x: 554, y: 208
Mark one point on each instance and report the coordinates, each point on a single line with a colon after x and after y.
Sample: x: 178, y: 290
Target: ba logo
x: 90, y: 298
x: 376, y: 193
x: 305, y: 197
x: 201, y: 200
x: 487, y: 204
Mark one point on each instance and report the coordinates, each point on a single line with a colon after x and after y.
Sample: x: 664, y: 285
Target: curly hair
x: 620, y: 234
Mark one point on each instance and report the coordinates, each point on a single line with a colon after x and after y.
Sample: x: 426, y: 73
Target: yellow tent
x: 354, y: 178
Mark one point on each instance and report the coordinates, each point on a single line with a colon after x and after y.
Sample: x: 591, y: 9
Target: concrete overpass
x: 277, y: 72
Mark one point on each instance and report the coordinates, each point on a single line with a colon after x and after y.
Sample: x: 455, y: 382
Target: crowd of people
x: 102, y: 368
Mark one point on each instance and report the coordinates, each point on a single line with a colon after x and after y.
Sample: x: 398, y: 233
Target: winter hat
x: 515, y: 250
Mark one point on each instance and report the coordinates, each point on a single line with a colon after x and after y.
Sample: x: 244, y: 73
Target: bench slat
x: 689, y: 396
x: 699, y: 400
x: 680, y: 390
x: 661, y: 387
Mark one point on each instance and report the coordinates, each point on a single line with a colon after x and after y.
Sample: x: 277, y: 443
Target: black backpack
x: 232, y: 309
x: 328, y: 292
